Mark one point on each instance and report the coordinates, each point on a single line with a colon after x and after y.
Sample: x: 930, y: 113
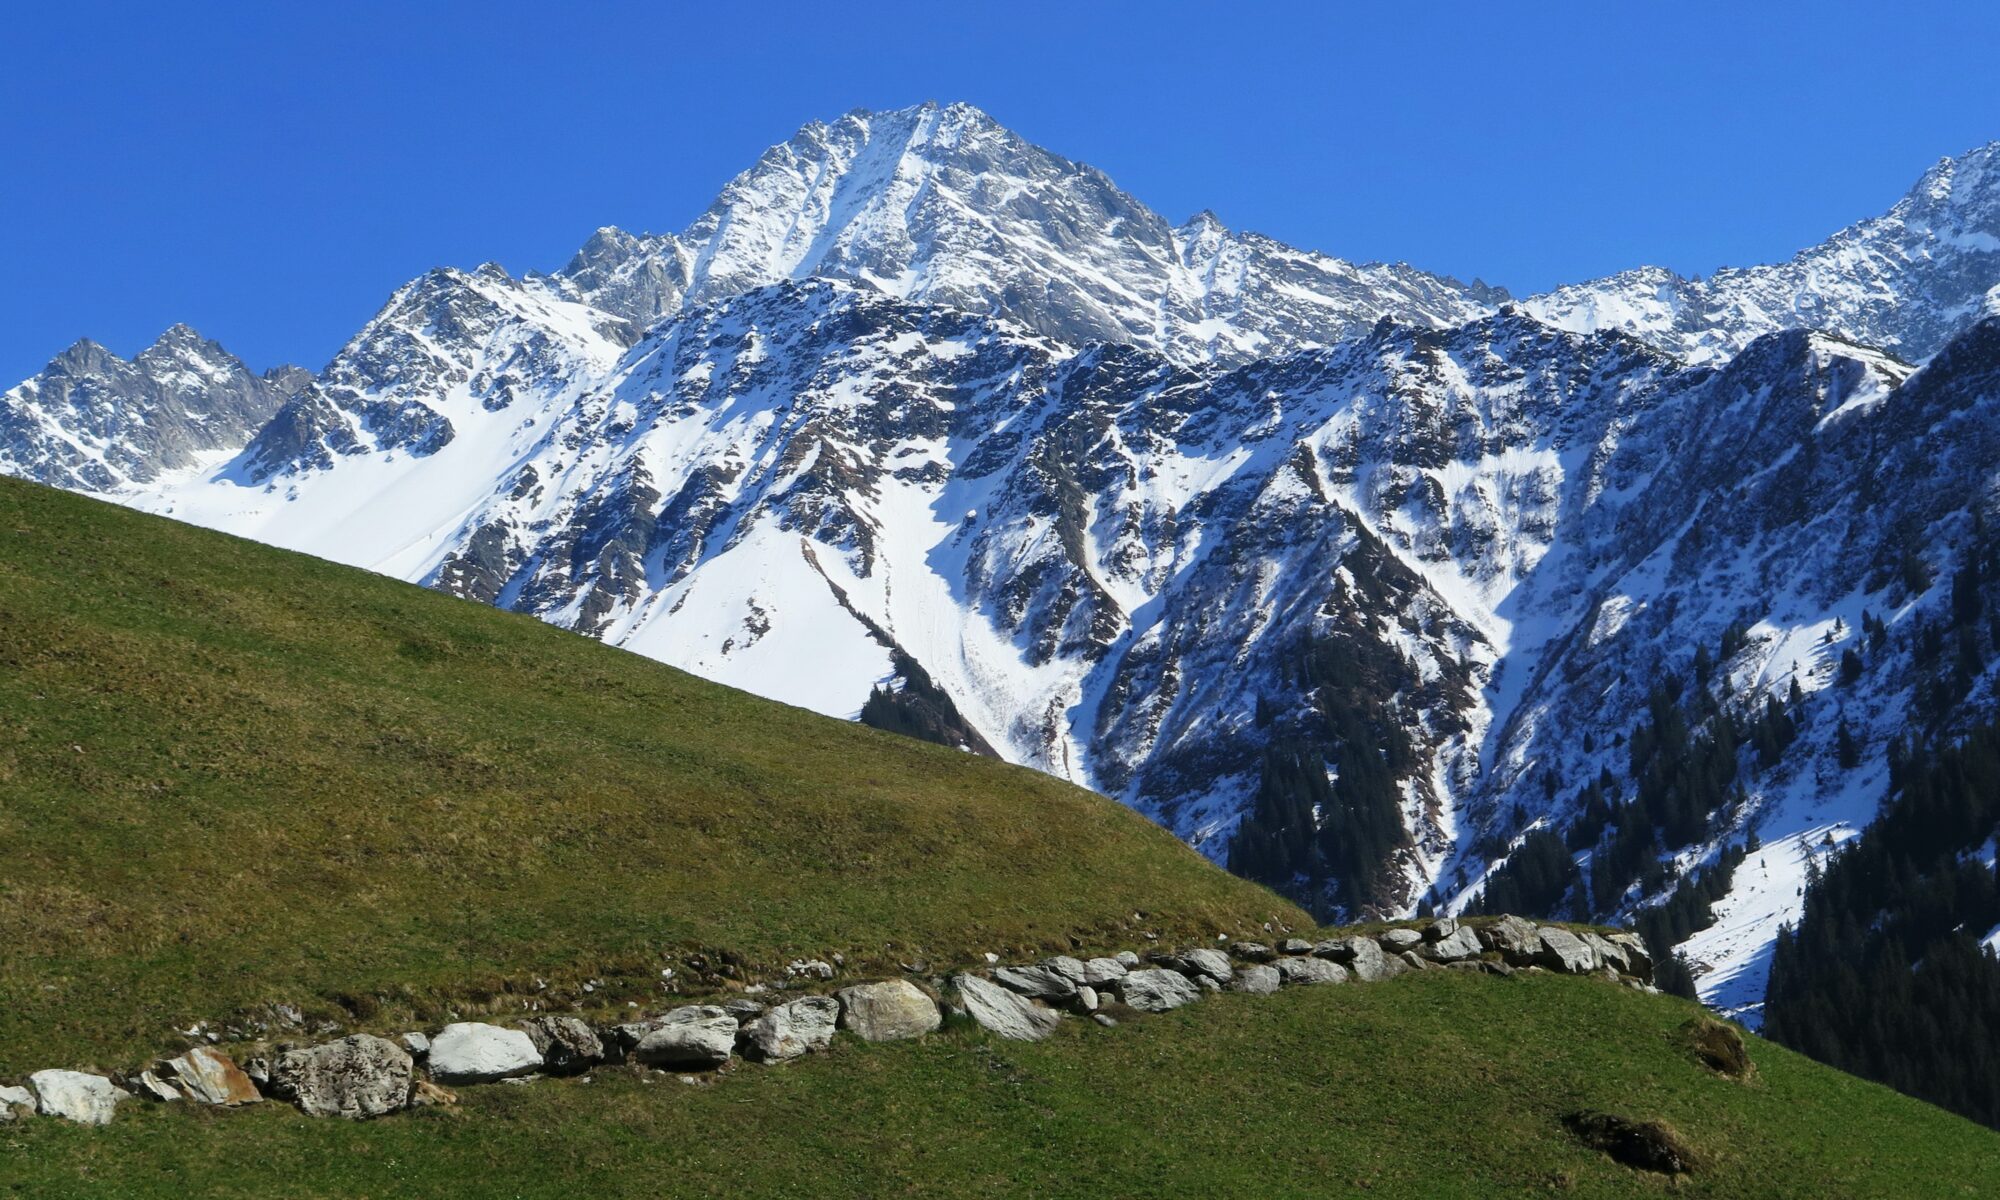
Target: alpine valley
x: 1390, y: 590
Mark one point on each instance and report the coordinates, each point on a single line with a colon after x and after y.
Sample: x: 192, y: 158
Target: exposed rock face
x: 791, y: 1029
x: 697, y: 1038
x: 1156, y: 990
x: 357, y: 1077
x: 567, y: 1045
x: 1004, y: 1013
x: 76, y: 1096
x: 472, y: 1052
x: 208, y: 1076
x: 888, y: 1011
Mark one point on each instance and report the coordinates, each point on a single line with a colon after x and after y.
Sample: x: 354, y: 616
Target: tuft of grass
x: 1435, y: 1084
x: 232, y: 776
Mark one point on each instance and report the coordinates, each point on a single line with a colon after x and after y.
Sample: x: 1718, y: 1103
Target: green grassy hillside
x: 1437, y: 1084
x: 231, y: 775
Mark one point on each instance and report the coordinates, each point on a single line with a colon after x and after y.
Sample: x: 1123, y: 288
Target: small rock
x: 567, y: 1045
x: 208, y: 1076
x: 76, y: 1096
x: 1256, y: 952
x: 1128, y: 959
x: 887, y: 1012
x: 1156, y: 990
x: 1399, y: 940
x: 744, y: 1009
x: 1105, y: 1019
x: 1415, y: 961
x: 1003, y: 1013
x: 1069, y: 968
x: 1206, y: 983
x: 1099, y: 971
x: 791, y: 1030
x: 1259, y: 980
x: 1039, y: 983
x: 150, y: 1086
x: 1310, y: 970
x: 1212, y: 964
x: 15, y: 1102
x: 809, y: 968
x: 418, y: 1044
x: 1296, y: 946
x: 696, y: 1037
x: 1086, y: 999
x: 473, y: 1052
x: 357, y: 1077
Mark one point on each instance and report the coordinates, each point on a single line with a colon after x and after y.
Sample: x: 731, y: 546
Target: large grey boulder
x: 1564, y: 951
x: 791, y: 1030
x: 1518, y: 941
x: 1100, y: 971
x: 1605, y: 952
x: 1003, y: 1013
x: 888, y: 1011
x: 206, y: 1075
x: 568, y: 1045
x: 1157, y: 990
x: 358, y: 1077
x: 1259, y: 980
x: 1364, y: 957
x: 76, y: 1096
x: 1398, y: 940
x: 1040, y: 983
x: 1072, y: 969
x: 1459, y: 944
x: 1311, y: 970
x: 1212, y: 963
x: 1638, y: 960
x: 473, y: 1052
x: 698, y: 1037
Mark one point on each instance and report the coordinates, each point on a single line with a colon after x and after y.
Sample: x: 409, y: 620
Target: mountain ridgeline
x: 1385, y: 588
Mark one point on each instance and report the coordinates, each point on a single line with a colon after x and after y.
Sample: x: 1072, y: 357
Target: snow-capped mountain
x: 1905, y: 281
x: 1378, y: 571
x: 92, y: 421
x: 944, y: 205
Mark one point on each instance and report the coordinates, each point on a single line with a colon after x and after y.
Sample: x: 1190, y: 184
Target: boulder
x: 1069, y: 968
x: 1461, y: 943
x: 15, y: 1101
x: 888, y: 1011
x: 1099, y: 971
x: 1440, y: 929
x: 1086, y: 999
x: 1340, y: 950
x: 472, y: 1052
x: 1398, y: 940
x: 417, y: 1044
x: 206, y: 1075
x: 358, y: 1077
x: 1415, y: 961
x: 1296, y: 946
x: 1038, y: 983
x: 697, y: 1037
x: 1156, y: 990
x: 744, y: 1009
x: 1259, y: 980
x: 568, y: 1046
x: 1003, y: 1013
x: 1311, y: 970
x: 1256, y: 952
x: 790, y: 1030
x: 1564, y: 951
x: 1606, y: 953
x: 148, y: 1085
x: 1365, y: 959
x: 1516, y: 940
x: 1128, y: 959
x: 76, y: 1096
x: 1211, y: 963
x: 1638, y: 960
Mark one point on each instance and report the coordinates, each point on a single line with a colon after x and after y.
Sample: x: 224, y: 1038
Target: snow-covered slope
x: 1905, y: 281
x: 93, y: 421
x: 944, y: 205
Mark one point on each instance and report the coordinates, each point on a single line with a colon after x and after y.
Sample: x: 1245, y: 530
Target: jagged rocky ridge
x: 361, y: 1075
x: 1363, y: 569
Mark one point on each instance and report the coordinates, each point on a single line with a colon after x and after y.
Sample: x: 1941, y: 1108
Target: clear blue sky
x: 270, y: 172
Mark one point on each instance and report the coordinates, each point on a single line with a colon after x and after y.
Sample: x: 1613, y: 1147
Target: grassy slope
x: 231, y: 775
x: 1439, y: 1084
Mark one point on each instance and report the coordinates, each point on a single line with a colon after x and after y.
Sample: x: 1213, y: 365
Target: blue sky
x: 270, y: 172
